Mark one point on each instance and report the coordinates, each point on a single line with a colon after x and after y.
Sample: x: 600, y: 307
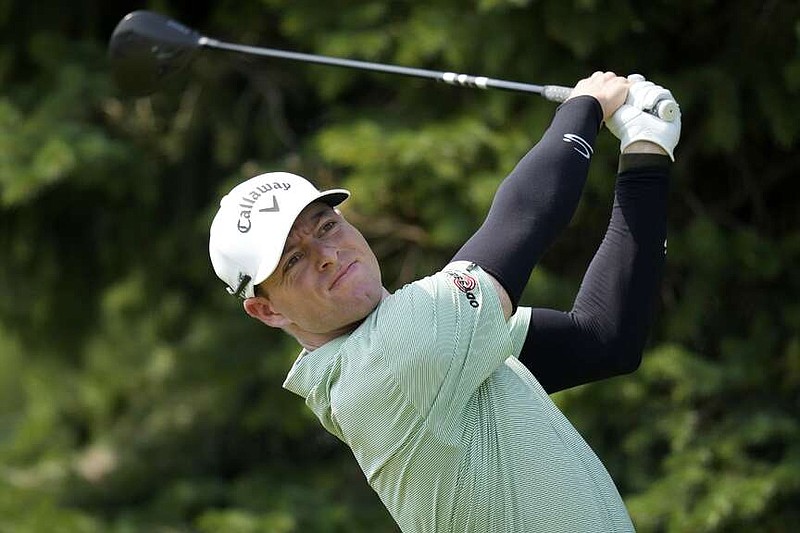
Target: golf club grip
x: 666, y: 110
x: 556, y: 93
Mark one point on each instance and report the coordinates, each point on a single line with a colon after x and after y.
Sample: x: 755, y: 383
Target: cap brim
x: 332, y: 197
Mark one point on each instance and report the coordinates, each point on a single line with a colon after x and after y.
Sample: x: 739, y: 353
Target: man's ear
x: 261, y: 309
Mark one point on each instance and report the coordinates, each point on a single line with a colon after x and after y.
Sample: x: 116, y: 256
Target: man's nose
x: 326, y: 256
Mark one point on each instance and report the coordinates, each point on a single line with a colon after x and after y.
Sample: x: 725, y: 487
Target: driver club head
x: 147, y: 48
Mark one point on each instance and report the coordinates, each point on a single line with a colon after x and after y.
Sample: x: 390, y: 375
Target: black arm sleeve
x: 605, y: 332
x: 537, y: 200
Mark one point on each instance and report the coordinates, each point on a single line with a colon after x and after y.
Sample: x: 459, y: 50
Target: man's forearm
x: 538, y: 199
x: 605, y: 332
x: 644, y: 147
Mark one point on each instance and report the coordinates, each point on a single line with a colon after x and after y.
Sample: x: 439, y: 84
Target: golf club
x: 147, y: 48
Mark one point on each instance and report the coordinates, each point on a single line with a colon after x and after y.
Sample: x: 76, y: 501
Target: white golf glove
x: 631, y: 122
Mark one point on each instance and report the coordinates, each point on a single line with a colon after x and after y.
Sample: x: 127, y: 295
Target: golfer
x: 441, y: 388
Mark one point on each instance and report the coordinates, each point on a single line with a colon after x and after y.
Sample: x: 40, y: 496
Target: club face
x: 147, y: 48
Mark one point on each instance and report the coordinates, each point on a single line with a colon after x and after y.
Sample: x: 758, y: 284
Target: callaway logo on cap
x: 250, y: 229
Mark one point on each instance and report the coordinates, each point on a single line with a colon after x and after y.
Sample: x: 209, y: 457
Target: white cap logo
x: 249, y: 200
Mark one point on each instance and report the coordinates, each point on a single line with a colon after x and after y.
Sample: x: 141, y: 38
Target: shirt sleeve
x: 605, y: 332
x: 444, y: 335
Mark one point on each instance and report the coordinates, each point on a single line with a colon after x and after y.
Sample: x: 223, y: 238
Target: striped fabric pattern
x: 449, y: 428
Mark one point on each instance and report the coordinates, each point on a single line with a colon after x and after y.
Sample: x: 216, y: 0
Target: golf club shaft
x: 553, y: 93
x: 664, y: 109
x: 146, y: 48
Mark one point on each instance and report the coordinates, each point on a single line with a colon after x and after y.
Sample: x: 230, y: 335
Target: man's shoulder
x: 424, y: 295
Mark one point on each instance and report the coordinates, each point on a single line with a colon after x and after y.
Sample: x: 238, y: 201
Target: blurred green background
x: 135, y: 395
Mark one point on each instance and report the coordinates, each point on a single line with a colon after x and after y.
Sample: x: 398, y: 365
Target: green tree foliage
x: 136, y: 396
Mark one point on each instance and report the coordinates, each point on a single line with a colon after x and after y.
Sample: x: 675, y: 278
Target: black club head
x: 147, y: 48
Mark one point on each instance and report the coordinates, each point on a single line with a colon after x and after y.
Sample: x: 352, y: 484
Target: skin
x: 328, y: 280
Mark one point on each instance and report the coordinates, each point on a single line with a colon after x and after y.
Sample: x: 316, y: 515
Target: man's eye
x: 328, y: 226
x: 293, y: 259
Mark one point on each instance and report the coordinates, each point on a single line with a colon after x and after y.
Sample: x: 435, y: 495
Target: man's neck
x: 311, y: 341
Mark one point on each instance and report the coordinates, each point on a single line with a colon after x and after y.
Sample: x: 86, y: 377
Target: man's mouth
x: 344, y: 272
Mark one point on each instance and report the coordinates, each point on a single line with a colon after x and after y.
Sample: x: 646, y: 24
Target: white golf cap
x: 250, y: 229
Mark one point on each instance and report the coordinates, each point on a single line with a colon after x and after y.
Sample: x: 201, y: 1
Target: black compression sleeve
x: 537, y: 200
x: 605, y: 332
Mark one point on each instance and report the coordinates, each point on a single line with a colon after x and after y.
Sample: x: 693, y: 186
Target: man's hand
x: 635, y: 128
x: 608, y: 88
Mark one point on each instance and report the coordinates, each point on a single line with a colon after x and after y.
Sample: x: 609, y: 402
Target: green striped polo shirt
x: 449, y: 428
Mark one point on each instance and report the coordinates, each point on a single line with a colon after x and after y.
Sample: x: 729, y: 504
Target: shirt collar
x: 310, y: 368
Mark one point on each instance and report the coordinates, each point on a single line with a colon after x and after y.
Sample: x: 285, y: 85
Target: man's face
x: 328, y: 278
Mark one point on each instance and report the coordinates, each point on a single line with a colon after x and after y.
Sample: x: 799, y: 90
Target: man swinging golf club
x: 441, y: 388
